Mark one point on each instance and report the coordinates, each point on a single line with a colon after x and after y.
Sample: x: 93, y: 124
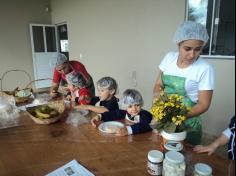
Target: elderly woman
x: 187, y: 74
x: 63, y: 67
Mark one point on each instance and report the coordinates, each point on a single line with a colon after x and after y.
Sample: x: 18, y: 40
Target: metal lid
x: 174, y: 157
x: 203, y: 169
x: 155, y: 156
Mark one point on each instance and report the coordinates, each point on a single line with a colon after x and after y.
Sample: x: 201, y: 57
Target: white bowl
x: 174, y: 136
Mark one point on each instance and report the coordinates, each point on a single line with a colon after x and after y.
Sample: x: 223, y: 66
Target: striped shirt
x: 230, y: 134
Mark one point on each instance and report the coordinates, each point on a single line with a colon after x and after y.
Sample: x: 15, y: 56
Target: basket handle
x: 42, y: 79
x: 4, y: 74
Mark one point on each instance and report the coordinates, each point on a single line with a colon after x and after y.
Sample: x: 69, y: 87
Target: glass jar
x: 154, y: 164
x: 174, y: 164
x: 201, y: 169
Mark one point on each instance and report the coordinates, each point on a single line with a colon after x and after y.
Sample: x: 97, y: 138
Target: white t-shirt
x: 199, y: 75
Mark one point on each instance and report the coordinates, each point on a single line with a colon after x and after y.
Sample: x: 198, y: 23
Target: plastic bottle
x: 174, y: 164
x: 201, y: 169
x: 155, y: 162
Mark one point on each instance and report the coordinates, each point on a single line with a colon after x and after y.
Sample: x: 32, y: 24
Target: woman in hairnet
x: 187, y: 74
x: 62, y: 67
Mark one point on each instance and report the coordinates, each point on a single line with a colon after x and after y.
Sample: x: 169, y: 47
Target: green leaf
x: 189, y: 128
x: 159, y: 126
x: 181, y: 128
x: 170, y: 127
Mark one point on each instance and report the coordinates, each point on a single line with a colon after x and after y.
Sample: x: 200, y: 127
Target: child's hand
x: 122, y: 132
x: 83, y: 107
x: 73, y: 98
x: 155, y: 131
x: 204, y: 149
x: 68, y: 97
x: 95, y: 121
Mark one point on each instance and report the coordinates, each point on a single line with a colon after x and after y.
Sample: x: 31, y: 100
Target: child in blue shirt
x: 138, y: 118
x: 106, y: 101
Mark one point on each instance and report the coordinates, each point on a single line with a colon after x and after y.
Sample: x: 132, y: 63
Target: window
x: 219, y: 18
x: 63, y: 39
x: 44, y: 38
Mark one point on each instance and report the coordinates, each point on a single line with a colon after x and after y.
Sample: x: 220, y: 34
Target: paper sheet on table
x: 73, y: 168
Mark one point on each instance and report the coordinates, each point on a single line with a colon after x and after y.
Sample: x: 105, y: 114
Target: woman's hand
x: 54, y: 90
x: 158, y: 87
x: 204, y: 102
x: 122, y: 132
x: 53, y: 93
x: 155, y: 96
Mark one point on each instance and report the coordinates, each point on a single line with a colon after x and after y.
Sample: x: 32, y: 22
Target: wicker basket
x: 6, y: 96
x: 18, y: 100
x: 13, y: 92
x: 28, y: 87
x: 58, y: 105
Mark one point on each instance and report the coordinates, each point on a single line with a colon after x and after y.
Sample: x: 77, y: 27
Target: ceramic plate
x: 110, y: 127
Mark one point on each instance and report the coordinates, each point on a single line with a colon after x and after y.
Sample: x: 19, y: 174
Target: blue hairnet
x: 107, y: 83
x: 60, y: 59
x: 190, y: 30
x: 76, y: 79
x: 132, y: 97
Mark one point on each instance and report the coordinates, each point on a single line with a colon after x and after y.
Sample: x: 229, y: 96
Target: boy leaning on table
x: 227, y: 137
x: 106, y: 99
x: 79, y: 90
x: 138, y: 118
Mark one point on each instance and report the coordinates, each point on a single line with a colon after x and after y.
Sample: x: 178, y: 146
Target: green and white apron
x: 176, y: 85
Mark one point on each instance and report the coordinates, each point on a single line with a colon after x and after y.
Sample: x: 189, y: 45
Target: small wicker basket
x: 7, y: 97
x: 27, y: 88
x: 58, y: 105
x: 13, y: 92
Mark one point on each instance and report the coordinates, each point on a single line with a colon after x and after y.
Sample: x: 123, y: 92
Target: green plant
x: 169, y: 113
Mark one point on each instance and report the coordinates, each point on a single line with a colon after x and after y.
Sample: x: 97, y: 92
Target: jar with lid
x: 201, y: 169
x: 174, y: 164
x: 155, y: 162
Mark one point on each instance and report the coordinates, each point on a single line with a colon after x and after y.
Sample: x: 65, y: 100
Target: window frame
x: 210, y: 56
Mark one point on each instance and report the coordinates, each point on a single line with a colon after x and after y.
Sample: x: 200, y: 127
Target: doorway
x: 44, y: 48
x: 46, y: 41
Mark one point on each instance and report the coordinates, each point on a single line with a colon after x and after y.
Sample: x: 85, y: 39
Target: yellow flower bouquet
x: 169, y: 113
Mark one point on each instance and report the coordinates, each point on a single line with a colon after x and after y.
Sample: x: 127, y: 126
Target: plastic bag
x: 42, y: 98
x: 75, y: 119
x: 9, y: 113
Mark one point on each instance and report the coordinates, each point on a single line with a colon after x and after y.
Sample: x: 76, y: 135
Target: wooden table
x: 30, y: 149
